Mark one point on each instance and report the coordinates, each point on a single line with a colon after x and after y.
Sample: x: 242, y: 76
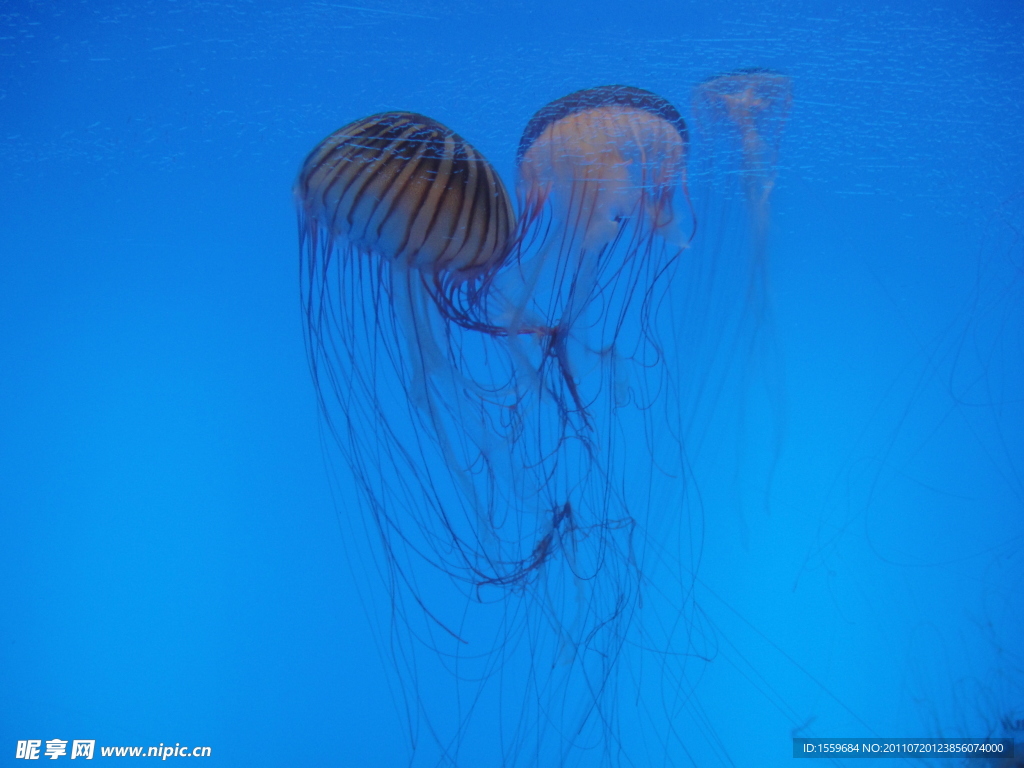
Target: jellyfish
x: 396, y: 211
x: 582, y: 302
x: 603, y: 216
x: 401, y: 194
x: 601, y: 186
x: 740, y: 116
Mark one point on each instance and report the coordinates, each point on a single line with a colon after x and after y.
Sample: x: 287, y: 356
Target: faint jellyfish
x: 740, y: 117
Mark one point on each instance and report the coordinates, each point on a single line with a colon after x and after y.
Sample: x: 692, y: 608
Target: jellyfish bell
x: 406, y: 188
x: 756, y: 104
x: 602, y: 157
x: 600, y: 160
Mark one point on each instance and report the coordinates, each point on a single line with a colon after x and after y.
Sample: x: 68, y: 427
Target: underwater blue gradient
x: 174, y: 566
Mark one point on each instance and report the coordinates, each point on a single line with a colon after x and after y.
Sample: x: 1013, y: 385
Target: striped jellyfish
x: 402, y: 197
x: 395, y: 213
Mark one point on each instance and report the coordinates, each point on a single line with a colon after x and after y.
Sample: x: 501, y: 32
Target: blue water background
x: 172, y: 566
